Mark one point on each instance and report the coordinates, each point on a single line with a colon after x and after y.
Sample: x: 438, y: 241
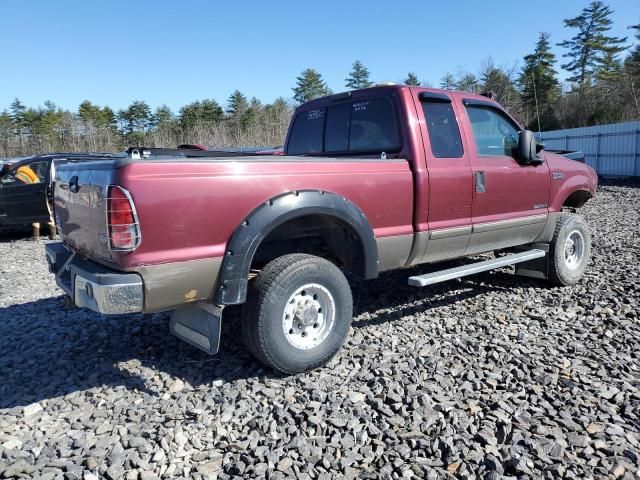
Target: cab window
x: 373, y: 126
x: 494, y: 133
x: 26, y: 174
x: 306, y: 133
x: 366, y: 126
x: 444, y: 133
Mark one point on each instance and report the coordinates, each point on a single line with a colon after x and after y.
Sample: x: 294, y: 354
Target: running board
x: 464, y: 270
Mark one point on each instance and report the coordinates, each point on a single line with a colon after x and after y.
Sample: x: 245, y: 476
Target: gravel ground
x: 489, y: 377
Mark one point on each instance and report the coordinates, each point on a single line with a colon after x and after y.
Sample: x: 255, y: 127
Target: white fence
x: 610, y: 149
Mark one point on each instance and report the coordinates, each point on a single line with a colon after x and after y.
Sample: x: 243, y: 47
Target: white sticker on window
x: 360, y: 106
x: 315, y: 114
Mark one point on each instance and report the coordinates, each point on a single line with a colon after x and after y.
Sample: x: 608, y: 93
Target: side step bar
x: 464, y: 270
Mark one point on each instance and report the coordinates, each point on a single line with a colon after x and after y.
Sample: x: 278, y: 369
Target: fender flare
x: 231, y: 287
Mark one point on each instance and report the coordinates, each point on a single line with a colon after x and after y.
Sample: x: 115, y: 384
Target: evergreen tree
x: 309, y: 85
x: 17, y: 112
x: 611, y: 67
x: 208, y: 111
x: 90, y: 113
x: 237, y: 104
x: 136, y: 118
x: 189, y: 115
x: 468, y: 82
x: 6, y: 130
x: 162, y: 117
x: 412, y: 79
x: 108, y: 118
x: 591, y: 49
x: 448, y: 82
x: 500, y: 84
x: 634, y: 57
x: 358, y: 77
x: 538, y: 81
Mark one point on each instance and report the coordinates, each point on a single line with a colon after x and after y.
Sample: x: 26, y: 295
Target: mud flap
x: 198, y: 325
x: 537, y: 268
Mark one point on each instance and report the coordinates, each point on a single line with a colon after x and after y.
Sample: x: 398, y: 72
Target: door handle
x: 480, y: 182
x: 73, y: 184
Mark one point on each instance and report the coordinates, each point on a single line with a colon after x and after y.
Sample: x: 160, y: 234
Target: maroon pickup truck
x: 371, y: 180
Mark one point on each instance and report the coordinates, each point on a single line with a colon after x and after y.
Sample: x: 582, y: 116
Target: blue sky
x: 175, y: 52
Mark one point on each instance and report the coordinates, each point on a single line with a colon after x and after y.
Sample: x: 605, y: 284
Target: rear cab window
x: 351, y: 127
x: 307, y: 132
x: 27, y: 174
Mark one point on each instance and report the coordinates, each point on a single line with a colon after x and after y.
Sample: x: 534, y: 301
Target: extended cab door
x: 23, y: 194
x: 450, y: 180
x: 510, y: 199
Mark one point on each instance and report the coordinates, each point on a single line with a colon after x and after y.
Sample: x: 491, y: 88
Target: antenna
x: 535, y: 95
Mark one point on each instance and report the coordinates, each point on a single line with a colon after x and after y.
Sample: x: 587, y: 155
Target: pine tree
x: 162, y: 117
x: 210, y: 111
x: 309, y: 85
x: 412, y: 79
x: 634, y: 57
x: 448, y: 82
x: 90, y: 113
x: 358, y: 77
x: 611, y: 67
x: 237, y: 104
x: 538, y: 81
x: 468, y: 82
x: 17, y: 112
x: 500, y: 84
x: 136, y: 118
x: 591, y: 49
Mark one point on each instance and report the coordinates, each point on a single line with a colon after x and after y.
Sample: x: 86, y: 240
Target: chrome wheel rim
x: 574, y: 250
x: 308, y: 316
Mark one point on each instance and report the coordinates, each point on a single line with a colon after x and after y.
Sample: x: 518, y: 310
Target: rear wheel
x: 570, y: 250
x: 298, y: 313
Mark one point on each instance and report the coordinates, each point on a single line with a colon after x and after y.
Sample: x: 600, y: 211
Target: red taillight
x: 124, y: 230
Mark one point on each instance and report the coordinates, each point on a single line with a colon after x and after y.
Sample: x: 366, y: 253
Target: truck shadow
x: 48, y: 352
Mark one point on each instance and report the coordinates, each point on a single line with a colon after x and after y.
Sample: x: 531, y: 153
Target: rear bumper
x: 95, y: 286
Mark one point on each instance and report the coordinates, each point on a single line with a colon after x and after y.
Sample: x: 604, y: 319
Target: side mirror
x: 528, y: 148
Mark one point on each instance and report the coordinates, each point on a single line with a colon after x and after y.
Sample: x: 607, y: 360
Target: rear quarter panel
x: 189, y: 210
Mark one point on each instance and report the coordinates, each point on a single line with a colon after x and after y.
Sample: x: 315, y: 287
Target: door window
x: 444, y: 134
x: 494, y: 133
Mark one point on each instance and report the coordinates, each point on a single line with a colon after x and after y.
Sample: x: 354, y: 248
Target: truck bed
x: 189, y: 207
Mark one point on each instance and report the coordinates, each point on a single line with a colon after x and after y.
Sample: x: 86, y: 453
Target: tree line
x: 602, y: 86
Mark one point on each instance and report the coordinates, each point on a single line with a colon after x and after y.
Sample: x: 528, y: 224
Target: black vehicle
x: 25, y: 188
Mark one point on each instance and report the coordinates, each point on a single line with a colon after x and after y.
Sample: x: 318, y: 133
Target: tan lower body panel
x: 173, y: 284
x: 487, y: 237
x: 450, y: 243
x: 393, y: 252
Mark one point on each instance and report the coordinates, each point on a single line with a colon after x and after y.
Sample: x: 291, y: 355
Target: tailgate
x: 80, y: 206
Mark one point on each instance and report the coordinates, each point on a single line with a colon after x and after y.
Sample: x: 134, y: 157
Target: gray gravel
x: 489, y: 377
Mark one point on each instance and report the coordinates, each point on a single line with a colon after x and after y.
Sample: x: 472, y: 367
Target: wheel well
x: 577, y: 199
x: 322, y: 235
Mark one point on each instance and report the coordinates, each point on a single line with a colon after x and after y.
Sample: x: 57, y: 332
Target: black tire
x: 562, y: 271
x: 269, y: 299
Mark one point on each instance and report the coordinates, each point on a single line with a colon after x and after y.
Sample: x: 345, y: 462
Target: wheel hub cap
x: 308, y: 316
x: 574, y: 250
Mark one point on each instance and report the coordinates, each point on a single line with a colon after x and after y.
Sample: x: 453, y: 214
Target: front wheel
x: 298, y: 313
x: 570, y: 250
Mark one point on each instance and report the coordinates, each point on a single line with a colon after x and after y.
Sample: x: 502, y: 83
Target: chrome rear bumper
x: 92, y: 285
